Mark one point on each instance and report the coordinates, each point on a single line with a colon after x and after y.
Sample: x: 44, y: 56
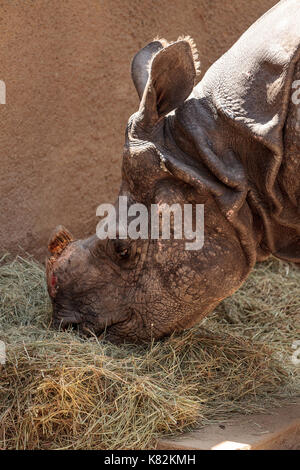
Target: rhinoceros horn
x: 59, y: 240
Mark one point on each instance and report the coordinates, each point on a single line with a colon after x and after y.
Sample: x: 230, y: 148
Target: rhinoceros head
x: 144, y: 288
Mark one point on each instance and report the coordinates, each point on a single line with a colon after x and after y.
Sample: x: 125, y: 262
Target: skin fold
x: 230, y: 143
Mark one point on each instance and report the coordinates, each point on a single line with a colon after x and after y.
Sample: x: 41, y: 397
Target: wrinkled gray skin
x: 230, y: 143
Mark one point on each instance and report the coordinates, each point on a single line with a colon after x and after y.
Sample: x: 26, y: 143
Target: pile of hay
x: 58, y: 391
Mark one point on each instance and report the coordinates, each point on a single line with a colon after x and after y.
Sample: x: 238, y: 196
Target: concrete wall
x: 66, y: 67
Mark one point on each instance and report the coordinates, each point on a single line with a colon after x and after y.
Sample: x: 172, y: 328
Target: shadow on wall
x: 69, y: 95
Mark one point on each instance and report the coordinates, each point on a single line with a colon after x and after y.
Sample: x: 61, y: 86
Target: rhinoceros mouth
x: 63, y: 322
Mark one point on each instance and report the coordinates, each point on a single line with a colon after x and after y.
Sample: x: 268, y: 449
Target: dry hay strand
x: 60, y: 391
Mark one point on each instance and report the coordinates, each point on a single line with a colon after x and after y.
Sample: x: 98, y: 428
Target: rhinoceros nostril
x: 53, y: 280
x: 59, y: 240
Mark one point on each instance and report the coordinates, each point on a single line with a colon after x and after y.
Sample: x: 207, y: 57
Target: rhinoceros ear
x: 140, y: 65
x: 167, y: 79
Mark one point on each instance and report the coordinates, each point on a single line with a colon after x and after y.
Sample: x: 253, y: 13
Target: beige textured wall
x: 69, y: 94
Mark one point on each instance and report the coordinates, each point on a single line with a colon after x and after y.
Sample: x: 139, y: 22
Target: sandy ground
x: 275, y: 430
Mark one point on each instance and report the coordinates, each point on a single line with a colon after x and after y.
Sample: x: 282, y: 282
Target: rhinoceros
x: 230, y: 143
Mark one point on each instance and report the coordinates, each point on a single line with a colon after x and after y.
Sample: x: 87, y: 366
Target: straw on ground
x: 60, y: 391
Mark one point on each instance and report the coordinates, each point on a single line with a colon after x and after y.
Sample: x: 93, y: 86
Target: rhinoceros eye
x: 118, y: 250
x: 124, y: 254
